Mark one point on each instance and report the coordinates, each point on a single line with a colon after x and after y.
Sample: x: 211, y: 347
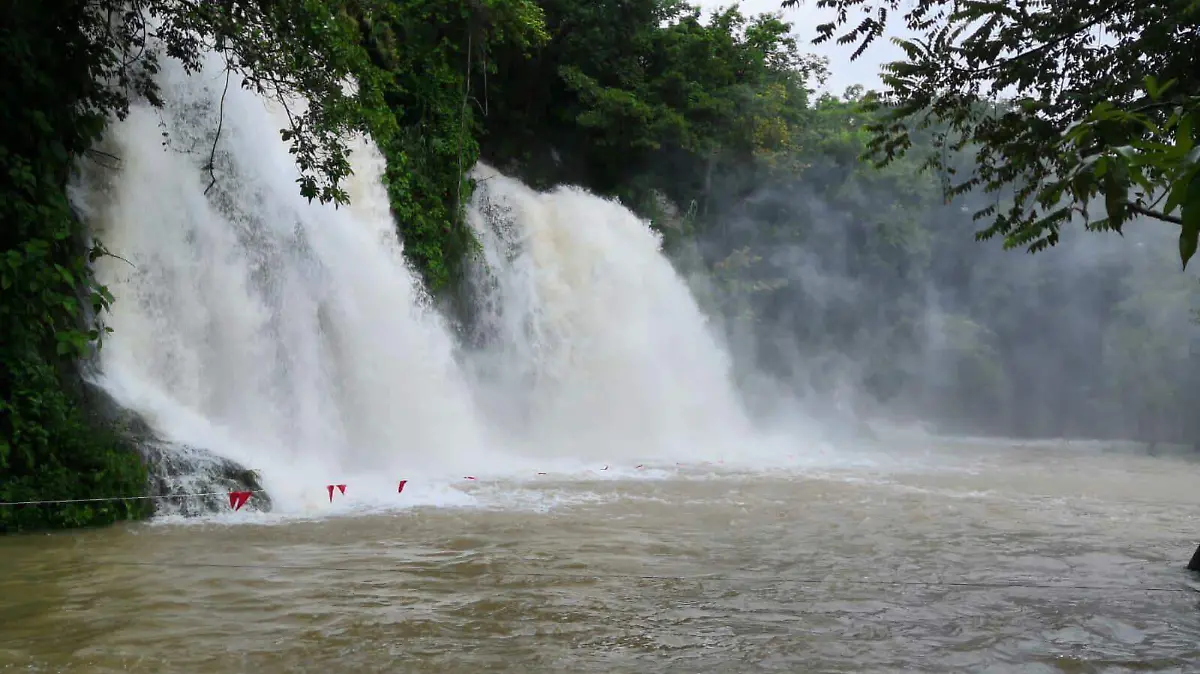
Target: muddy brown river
x: 962, y: 557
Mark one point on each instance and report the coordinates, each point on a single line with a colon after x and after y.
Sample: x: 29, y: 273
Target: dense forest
x: 832, y: 237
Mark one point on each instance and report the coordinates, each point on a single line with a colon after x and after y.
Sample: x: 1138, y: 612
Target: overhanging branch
x: 1155, y: 214
x: 212, y: 157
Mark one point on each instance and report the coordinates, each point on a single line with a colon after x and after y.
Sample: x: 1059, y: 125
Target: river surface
x: 979, y: 557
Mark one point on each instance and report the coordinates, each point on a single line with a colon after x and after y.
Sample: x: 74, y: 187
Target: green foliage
x: 1123, y: 151
x: 428, y: 57
x: 645, y: 96
x: 47, y: 448
x: 285, y: 51
x: 1059, y: 102
x: 51, y: 452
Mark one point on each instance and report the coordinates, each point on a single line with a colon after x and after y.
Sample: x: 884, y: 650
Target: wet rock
x: 1194, y: 565
x: 191, y: 481
x: 186, y: 480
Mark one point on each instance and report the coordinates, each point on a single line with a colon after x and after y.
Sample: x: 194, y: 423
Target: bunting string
x: 238, y: 499
x: 153, y: 497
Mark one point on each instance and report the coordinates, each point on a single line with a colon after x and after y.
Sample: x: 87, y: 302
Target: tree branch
x: 92, y: 153
x: 1155, y: 214
x: 212, y: 157
x: 1037, y: 51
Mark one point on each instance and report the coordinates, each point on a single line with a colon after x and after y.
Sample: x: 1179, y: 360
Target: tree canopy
x: 1058, y: 102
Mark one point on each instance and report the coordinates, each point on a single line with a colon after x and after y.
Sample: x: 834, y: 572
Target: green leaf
x: 1179, y: 190
x: 1116, y: 188
x: 1190, y: 228
x: 1151, y: 84
x: 1183, y: 134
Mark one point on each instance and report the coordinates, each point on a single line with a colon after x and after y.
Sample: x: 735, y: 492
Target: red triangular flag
x: 342, y: 488
x: 401, y: 487
x: 329, y: 488
x: 237, y: 499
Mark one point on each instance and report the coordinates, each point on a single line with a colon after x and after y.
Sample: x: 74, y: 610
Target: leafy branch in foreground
x: 1059, y: 101
x: 302, y: 54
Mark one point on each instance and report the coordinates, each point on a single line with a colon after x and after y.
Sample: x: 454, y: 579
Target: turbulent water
x: 592, y: 334
x: 931, y: 557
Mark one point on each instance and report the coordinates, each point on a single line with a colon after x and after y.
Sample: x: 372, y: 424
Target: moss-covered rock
x: 181, y: 479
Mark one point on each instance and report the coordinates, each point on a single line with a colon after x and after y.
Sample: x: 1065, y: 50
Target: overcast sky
x: 804, y: 19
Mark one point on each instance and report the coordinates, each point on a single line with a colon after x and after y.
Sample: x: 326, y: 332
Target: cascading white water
x: 287, y: 336
x: 587, y: 318
x: 291, y: 337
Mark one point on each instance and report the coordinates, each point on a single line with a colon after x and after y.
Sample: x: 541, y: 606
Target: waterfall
x: 594, y: 330
x: 291, y: 337
x: 286, y: 335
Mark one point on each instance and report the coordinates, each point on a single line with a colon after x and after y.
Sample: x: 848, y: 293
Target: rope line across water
x: 633, y: 576
x: 543, y: 574
x: 101, y: 499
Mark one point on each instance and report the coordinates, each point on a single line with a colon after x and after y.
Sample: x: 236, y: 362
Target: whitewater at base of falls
x: 292, y: 338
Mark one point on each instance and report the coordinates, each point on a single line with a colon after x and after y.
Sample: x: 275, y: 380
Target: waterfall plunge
x: 290, y: 336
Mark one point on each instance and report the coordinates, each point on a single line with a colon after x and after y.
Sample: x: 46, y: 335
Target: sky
x: 804, y: 19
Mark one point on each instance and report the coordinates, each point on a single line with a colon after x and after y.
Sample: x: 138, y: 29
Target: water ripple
x: 762, y: 574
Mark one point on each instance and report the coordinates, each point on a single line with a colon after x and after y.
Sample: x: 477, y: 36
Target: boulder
x: 185, y: 480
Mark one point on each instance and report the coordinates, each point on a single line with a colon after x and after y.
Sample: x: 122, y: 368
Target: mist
x: 862, y: 300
